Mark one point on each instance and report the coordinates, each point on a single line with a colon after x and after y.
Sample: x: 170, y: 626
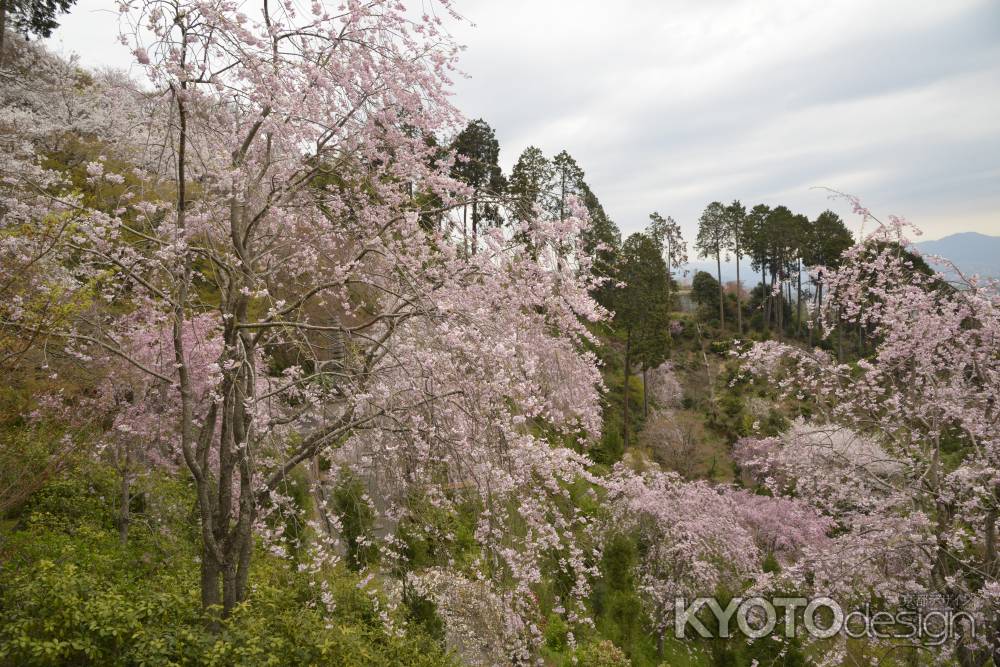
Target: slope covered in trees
x: 297, y: 375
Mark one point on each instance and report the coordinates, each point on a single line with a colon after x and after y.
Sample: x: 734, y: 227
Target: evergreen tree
x: 531, y: 182
x: 755, y: 246
x: 667, y: 235
x: 602, y: 242
x: 30, y: 17
x: 712, y: 241
x: 777, y: 229
x: 826, y: 242
x: 641, y: 309
x: 705, y: 290
x: 736, y: 215
x: 477, y: 156
x: 568, y: 182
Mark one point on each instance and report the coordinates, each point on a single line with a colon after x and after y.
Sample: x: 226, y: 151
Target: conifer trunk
x: 645, y: 395
x: 126, y: 498
x: 798, y: 299
x: 628, y: 373
x: 3, y: 28
x: 722, y: 291
x: 739, y: 300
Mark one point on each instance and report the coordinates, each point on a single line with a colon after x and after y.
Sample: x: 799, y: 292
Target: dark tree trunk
x: 798, y: 299
x: 625, y: 397
x: 840, y: 337
x: 765, y: 304
x: 126, y: 498
x: 739, y: 298
x: 722, y: 291
x: 861, y: 332
x: 645, y: 395
x: 812, y: 329
x: 3, y: 28
x: 465, y: 230
x: 668, y: 278
x: 475, y: 225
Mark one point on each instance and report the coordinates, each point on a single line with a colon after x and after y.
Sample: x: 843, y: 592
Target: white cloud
x: 670, y: 104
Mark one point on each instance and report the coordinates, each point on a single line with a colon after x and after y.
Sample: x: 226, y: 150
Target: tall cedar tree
x: 667, y: 235
x: 30, y: 17
x: 755, y: 245
x: 712, y: 241
x: 736, y: 215
x: 477, y: 156
x: 530, y: 183
x: 827, y: 240
x: 641, y: 309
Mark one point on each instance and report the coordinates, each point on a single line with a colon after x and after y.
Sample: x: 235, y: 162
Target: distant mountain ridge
x: 971, y: 252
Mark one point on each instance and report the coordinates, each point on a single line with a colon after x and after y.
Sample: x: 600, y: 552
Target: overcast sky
x: 668, y: 105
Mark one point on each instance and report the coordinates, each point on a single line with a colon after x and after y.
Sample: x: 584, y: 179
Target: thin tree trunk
x: 628, y: 373
x: 815, y: 314
x: 475, y: 225
x: 764, y: 303
x: 668, y: 279
x: 798, y: 299
x: 465, y: 230
x: 840, y: 337
x: 788, y: 290
x: 124, y: 517
x: 645, y: 395
x: 861, y: 332
x: 722, y: 291
x: 739, y: 298
x: 319, y: 495
x: 3, y: 28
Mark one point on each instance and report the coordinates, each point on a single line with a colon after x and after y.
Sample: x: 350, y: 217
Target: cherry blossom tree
x: 693, y: 543
x: 902, y: 448
x: 264, y: 228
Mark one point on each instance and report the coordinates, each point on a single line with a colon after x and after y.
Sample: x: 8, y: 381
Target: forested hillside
x: 296, y: 374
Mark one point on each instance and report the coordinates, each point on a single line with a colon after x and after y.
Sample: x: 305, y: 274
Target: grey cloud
x: 897, y: 106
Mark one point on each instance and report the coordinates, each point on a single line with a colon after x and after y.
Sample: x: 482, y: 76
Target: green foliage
x: 601, y: 654
x: 357, y: 518
x: 35, y: 17
x: 74, y: 594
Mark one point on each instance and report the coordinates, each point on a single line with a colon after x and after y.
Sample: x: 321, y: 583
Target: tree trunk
x: 645, y: 395
x: 475, y: 225
x: 668, y: 279
x: 465, y: 230
x: 798, y: 299
x: 123, y: 517
x: 775, y: 293
x: 764, y: 302
x: 788, y: 291
x: 3, y: 28
x: 840, y: 338
x: 722, y: 291
x: 815, y: 314
x: 861, y: 331
x: 628, y: 373
x: 739, y: 298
